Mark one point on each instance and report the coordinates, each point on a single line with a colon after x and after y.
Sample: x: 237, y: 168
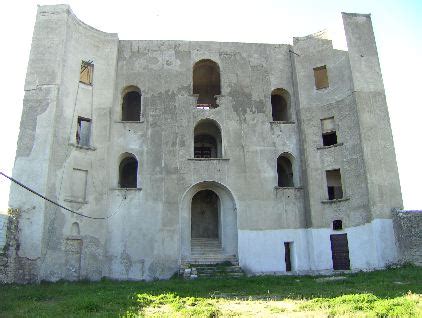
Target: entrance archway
x: 208, y: 218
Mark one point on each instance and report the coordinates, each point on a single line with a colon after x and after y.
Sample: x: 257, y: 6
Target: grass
x: 390, y: 293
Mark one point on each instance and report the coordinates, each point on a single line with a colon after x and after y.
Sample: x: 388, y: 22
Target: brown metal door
x: 340, y: 251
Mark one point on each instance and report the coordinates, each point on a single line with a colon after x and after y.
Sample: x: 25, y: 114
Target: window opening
x: 87, y: 72
x: 287, y: 256
x: 207, y: 140
x: 131, y: 105
x: 284, y: 172
x: 206, y: 83
x: 279, y: 105
x: 329, y: 134
x: 334, y: 188
x: 83, y: 131
x: 321, y: 77
x: 128, y: 173
x: 337, y: 225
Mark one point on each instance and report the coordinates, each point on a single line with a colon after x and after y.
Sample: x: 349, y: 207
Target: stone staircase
x: 208, y: 259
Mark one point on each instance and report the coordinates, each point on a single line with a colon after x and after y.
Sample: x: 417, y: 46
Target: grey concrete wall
x: 148, y: 231
x: 407, y: 228
x: 3, y: 230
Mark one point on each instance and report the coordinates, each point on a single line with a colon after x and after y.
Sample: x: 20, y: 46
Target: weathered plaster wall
x: 149, y: 229
x: 407, y: 227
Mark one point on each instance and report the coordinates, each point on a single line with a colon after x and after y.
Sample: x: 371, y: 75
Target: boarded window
x: 78, y: 184
x: 340, y: 251
x: 321, y: 77
x: 87, y: 72
x: 334, y: 188
x: 83, y: 132
x: 329, y: 134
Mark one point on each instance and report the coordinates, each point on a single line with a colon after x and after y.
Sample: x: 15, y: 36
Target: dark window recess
x: 329, y: 138
x: 334, y: 188
x: 287, y: 256
x: 337, y: 225
x: 202, y: 152
x: 205, y: 147
x: 206, y: 83
x: 321, y: 77
x: 284, y: 172
x: 131, y: 106
x: 340, y: 251
x: 279, y: 107
x: 83, y: 132
x: 87, y: 72
x: 128, y: 171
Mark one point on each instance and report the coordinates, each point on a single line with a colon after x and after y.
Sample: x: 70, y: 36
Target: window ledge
x: 288, y: 188
x: 127, y: 189
x: 76, y: 201
x: 209, y: 159
x: 74, y: 237
x: 282, y: 122
x: 130, y: 121
x: 335, y: 200
x: 82, y: 147
x: 332, y: 146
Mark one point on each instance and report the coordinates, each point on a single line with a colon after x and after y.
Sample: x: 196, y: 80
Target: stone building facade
x: 279, y: 157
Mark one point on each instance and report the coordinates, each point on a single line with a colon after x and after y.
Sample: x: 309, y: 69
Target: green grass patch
x: 372, y: 294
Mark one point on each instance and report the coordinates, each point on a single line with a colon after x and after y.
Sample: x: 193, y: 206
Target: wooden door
x: 340, y: 251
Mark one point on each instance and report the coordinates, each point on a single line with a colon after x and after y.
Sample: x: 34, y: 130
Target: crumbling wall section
x: 14, y: 268
x: 407, y: 228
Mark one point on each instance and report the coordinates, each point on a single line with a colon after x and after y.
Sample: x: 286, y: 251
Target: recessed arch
x: 280, y: 105
x: 285, y: 170
x: 128, y: 171
x: 131, y: 103
x: 206, y: 83
x: 74, y: 229
x: 207, y: 139
x: 227, y: 216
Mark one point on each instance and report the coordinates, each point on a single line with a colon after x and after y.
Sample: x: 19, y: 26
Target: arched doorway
x: 204, y: 215
x: 208, y: 224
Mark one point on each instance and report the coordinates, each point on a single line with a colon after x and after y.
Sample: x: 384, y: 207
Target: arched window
x: 284, y: 171
x: 206, y: 83
x: 207, y: 139
x: 128, y: 172
x: 131, y: 104
x: 280, y: 105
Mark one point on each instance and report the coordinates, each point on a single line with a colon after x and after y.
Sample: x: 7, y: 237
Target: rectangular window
x: 329, y: 134
x: 83, y: 132
x: 87, y: 72
x: 334, y: 188
x: 321, y: 77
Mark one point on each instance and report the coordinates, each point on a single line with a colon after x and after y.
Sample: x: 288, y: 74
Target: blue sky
x: 397, y: 27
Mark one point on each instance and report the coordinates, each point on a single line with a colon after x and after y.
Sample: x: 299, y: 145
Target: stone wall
x: 3, y: 230
x: 407, y: 227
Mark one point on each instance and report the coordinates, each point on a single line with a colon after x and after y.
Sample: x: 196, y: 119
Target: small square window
x: 83, y: 132
x: 87, y: 72
x: 321, y: 77
x: 337, y: 225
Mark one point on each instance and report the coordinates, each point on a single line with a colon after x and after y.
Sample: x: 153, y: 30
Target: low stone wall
x: 408, y: 231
